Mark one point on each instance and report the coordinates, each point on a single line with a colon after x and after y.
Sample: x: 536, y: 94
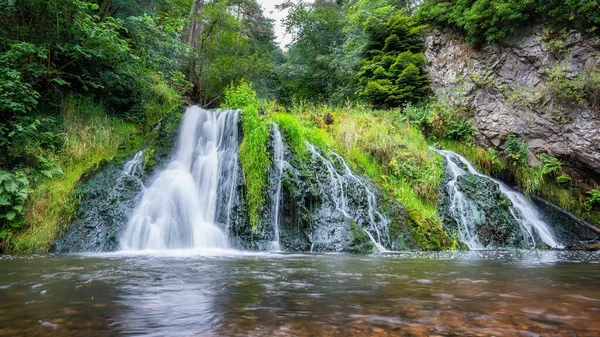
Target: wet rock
x: 495, y: 226
x: 107, y: 198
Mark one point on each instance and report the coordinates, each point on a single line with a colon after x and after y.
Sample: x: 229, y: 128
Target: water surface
x: 511, y: 293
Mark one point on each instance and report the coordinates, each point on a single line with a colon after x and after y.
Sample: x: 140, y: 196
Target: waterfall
x: 340, y: 183
x: 134, y: 166
x: 522, y: 210
x: 278, y: 167
x: 177, y: 210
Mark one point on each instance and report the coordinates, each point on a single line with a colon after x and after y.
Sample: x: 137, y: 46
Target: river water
x: 220, y: 293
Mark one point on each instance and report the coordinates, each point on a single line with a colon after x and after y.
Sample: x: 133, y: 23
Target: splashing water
x: 338, y: 187
x: 177, y: 211
x: 522, y: 209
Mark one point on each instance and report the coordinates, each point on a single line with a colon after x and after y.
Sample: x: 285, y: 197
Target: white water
x: 522, y: 209
x: 177, y: 211
x: 339, y: 183
x: 134, y: 166
x: 278, y: 167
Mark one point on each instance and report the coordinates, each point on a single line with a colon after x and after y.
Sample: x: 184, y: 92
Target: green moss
x: 253, y: 154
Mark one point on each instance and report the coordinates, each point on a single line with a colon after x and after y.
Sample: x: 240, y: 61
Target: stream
x: 232, y: 293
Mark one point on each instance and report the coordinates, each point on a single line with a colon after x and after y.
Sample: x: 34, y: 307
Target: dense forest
x: 82, y: 82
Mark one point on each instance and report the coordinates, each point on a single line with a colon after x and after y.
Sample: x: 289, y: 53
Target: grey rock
x: 520, y: 65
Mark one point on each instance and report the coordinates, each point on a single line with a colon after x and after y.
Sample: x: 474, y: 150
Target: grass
x: 381, y: 146
x: 91, y: 138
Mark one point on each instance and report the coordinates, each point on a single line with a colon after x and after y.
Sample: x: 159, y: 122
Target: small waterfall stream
x: 135, y: 165
x: 340, y: 183
x: 278, y: 167
x: 177, y: 210
x: 522, y: 210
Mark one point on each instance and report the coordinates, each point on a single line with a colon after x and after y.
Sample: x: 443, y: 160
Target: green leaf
x: 11, y: 186
x: 10, y: 215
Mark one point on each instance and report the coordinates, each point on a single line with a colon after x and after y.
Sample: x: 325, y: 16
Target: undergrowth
x: 91, y: 138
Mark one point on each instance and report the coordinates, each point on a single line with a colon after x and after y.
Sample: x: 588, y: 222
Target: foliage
x: 380, y: 145
x: 393, y: 75
x: 493, y: 20
x: 230, y: 41
x: 593, y: 199
x: 91, y: 137
x: 460, y: 130
x: 516, y: 149
x: 14, y: 189
x: 438, y: 120
x: 253, y: 154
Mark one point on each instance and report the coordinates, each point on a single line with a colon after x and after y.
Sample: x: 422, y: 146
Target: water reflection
x: 445, y: 293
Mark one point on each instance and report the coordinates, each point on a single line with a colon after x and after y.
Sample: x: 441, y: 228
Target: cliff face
x: 531, y: 85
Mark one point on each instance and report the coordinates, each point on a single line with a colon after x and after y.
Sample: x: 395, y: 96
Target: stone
x: 519, y: 65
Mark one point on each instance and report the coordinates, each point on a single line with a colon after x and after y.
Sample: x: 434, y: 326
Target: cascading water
x: 134, y: 166
x: 522, y: 210
x: 177, y: 211
x: 279, y: 164
x: 339, y: 185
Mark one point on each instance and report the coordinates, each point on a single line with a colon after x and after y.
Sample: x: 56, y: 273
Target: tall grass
x: 91, y: 138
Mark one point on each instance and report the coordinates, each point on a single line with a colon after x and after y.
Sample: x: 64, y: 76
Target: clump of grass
x: 91, y: 138
x: 253, y: 154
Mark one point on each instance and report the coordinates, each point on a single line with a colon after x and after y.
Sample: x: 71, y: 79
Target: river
x: 229, y: 293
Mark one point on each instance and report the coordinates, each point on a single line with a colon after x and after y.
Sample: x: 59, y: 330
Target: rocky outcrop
x: 508, y: 88
x: 313, y: 215
x: 492, y: 222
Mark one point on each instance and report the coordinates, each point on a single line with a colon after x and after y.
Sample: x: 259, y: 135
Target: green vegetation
x: 493, y: 20
x: 393, y: 75
x: 253, y: 154
x: 382, y: 146
x: 78, y: 80
x: 344, y: 48
x: 547, y: 179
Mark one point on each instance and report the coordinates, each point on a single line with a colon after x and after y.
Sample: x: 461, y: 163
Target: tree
x: 393, y: 74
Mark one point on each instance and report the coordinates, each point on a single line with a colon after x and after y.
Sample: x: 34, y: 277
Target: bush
x: 493, y: 20
x: 14, y: 189
x: 460, y: 130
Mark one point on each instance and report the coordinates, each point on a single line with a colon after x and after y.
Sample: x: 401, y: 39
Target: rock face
x: 107, y: 200
x: 324, y: 207
x: 506, y: 89
x: 493, y: 224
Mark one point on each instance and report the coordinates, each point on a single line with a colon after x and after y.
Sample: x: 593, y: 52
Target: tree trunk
x: 195, y: 31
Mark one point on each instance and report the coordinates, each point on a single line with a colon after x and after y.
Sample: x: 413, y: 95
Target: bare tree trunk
x: 195, y: 32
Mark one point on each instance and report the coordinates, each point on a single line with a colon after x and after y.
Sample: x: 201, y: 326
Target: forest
x: 82, y: 82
